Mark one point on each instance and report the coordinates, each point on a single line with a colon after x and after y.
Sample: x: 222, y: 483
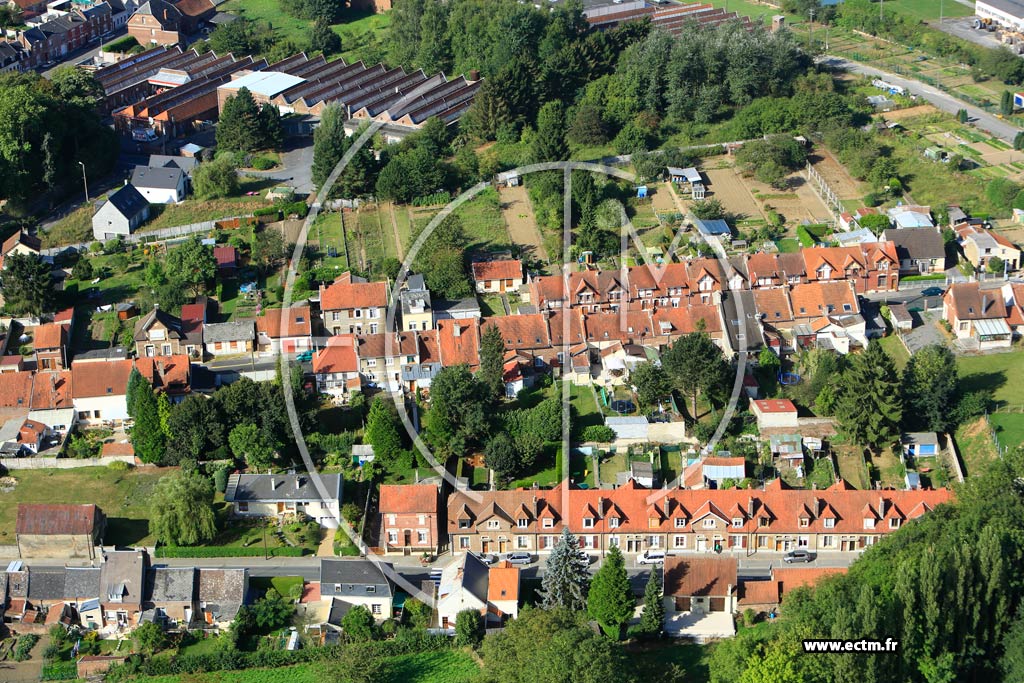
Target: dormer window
x: 522, y: 523
x: 613, y: 522
x: 463, y: 523
x: 653, y: 523
x: 548, y: 523
x: 588, y: 522
x: 869, y: 523
x: 762, y: 521
x: 492, y: 524
x: 371, y: 589
x: 737, y: 522
x: 894, y: 523
x: 680, y: 522
x: 830, y: 523
x: 804, y: 522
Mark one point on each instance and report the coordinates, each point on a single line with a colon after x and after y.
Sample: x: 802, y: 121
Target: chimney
x: 298, y: 483
x: 984, y: 302
x: 273, y: 483
x: 457, y: 330
x: 881, y: 506
x: 750, y: 507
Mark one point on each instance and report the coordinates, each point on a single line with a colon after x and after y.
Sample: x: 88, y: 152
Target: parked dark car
x: 933, y: 291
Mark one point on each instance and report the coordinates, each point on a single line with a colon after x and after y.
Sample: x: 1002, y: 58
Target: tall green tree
x: 1006, y: 103
x: 136, y: 384
x: 652, y: 617
x: 552, y: 645
x: 929, y: 388
x: 194, y: 429
x: 442, y: 260
x: 358, y: 625
x: 271, y: 128
x: 239, y: 128
x: 502, y: 456
x: 565, y: 580
x: 324, y: 39
x: 469, y: 628
x: 384, y: 429
x: 652, y: 383
x: 329, y: 142
x: 610, y: 600
x: 181, y: 509
x: 869, y: 407
x: 492, y: 356
x: 696, y: 366
x: 216, y: 178
x: 549, y: 142
x: 147, y: 434
x: 248, y: 443
x: 191, y: 264
x: 456, y: 418
x: 26, y: 285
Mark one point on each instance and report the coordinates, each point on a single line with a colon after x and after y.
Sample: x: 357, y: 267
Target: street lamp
x: 84, y: 181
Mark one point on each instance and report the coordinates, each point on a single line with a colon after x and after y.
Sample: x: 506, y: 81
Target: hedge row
x: 406, y: 641
x: 59, y: 671
x: 233, y: 551
x: 432, y: 199
x: 299, y: 208
x: 121, y: 44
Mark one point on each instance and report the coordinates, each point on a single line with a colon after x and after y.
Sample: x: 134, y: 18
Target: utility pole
x: 85, y: 182
x: 810, y: 31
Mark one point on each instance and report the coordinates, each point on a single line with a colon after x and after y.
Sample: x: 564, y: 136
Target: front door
x: 702, y: 544
x: 485, y: 547
x: 502, y: 546
x: 408, y: 537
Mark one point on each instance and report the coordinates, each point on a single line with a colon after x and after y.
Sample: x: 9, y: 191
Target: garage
x: 716, y: 604
x: 682, y: 604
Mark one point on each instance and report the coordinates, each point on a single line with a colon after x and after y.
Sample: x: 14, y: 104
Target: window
x: 709, y: 523
x: 522, y: 523
x: 492, y: 524
x: 804, y: 522
x: 243, y: 507
x: 737, y: 522
x: 762, y: 541
x: 654, y: 541
x: 679, y: 541
x: 613, y: 522
x: 830, y: 523
x: 371, y: 589
x: 421, y: 519
x: 335, y: 315
x: 762, y: 521
x: 827, y: 541
x: 463, y: 542
x: 421, y: 536
x: 463, y: 523
x: 522, y: 542
x: 894, y: 523
x: 375, y: 608
x: 589, y: 542
x: 680, y: 522
x: 869, y: 523
x: 588, y: 522
x: 357, y: 313
x: 653, y: 523
x: 613, y: 541
x: 372, y: 362
x: 392, y: 537
x: 391, y: 519
x: 548, y: 523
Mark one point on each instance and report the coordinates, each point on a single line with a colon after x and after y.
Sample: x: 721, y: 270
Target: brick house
x: 59, y: 531
x: 55, y: 39
x: 977, y: 317
x: 352, y: 305
x: 409, y: 518
x: 50, y: 344
x: 158, y: 333
x: 156, y: 22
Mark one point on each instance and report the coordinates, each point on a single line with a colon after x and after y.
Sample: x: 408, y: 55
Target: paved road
x: 963, y: 27
x: 944, y: 101
x: 89, y: 52
x: 296, y: 166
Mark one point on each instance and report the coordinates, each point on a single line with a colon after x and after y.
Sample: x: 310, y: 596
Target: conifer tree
x: 565, y: 576
x: 869, y: 408
x: 652, y: 618
x: 147, y: 436
x: 610, y: 600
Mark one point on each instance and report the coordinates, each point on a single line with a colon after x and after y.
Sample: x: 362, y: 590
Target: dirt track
x: 836, y: 175
x: 522, y: 226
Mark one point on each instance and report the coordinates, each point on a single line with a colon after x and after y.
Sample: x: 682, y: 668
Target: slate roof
x: 172, y: 323
x: 222, y: 591
x: 161, y: 178
x: 279, y: 487
x: 128, y: 201
x: 171, y: 584
x: 46, y: 584
x: 917, y: 243
x: 237, y: 330
x: 82, y: 582
x: 167, y: 161
x: 352, y: 578
x: 123, y: 576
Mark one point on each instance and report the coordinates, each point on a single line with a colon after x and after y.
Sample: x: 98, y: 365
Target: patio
x: 701, y: 627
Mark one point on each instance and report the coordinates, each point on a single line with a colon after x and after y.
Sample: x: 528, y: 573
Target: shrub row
x: 23, y: 648
x: 121, y: 44
x: 406, y: 641
x: 432, y: 199
x: 298, y: 208
x: 234, y: 551
x: 59, y: 671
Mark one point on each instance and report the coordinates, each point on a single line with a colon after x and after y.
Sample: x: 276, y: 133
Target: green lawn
x: 788, y: 245
x: 893, y: 346
x: 851, y: 466
x: 123, y: 496
x: 482, y: 220
x: 327, y: 232
x: 975, y: 445
x: 491, y: 306
x: 749, y: 8
x: 926, y: 10
x: 284, y: 585
x: 1001, y: 374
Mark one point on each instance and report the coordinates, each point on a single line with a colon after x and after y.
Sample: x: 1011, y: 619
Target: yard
x: 1001, y: 374
x: 851, y: 466
x: 887, y: 468
x: 894, y: 347
x: 123, y: 497
x: 974, y: 442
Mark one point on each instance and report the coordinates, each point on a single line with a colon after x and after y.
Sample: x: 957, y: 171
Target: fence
x: 32, y: 463
x: 161, y: 235
x: 953, y: 459
x: 825, y: 193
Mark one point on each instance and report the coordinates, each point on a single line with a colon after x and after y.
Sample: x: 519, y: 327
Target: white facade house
x: 163, y: 185
x: 279, y: 495
x: 347, y: 583
x: 120, y: 215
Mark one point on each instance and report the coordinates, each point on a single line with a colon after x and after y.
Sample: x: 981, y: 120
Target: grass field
x: 1001, y: 374
x: 975, y: 445
x: 123, y: 496
x: 445, y: 666
x: 893, y: 346
x: 851, y: 466
x: 748, y: 8
x: 926, y: 10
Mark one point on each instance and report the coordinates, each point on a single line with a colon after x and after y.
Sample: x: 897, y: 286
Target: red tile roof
x: 498, y: 270
x: 813, y: 299
x: 459, y: 341
x: 775, y: 405
x: 225, y: 256
x: 52, y: 519
x: 408, y: 498
x: 773, y: 304
x: 338, y: 356
x: 49, y: 336
x: 795, y: 577
x: 520, y: 332
x: 759, y: 593
x: 623, y: 326
x: 503, y: 583
x: 343, y: 294
x: 701, y: 576
x: 194, y: 312
x: 683, y: 320
x: 296, y: 322
x: 970, y: 302
x: 172, y: 374
x: 16, y: 389
x: 52, y: 390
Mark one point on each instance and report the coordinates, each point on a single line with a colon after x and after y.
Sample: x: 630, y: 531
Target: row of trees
x: 48, y: 126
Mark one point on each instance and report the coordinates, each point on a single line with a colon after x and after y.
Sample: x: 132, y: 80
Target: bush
x: 220, y: 478
x: 432, y: 199
x: 298, y: 208
x: 23, y: 648
x: 263, y: 163
x: 124, y: 44
x: 268, y: 211
x: 59, y: 671
x: 599, y: 433
x: 119, y: 466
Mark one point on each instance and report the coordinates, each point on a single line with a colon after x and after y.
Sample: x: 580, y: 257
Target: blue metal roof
x: 712, y: 227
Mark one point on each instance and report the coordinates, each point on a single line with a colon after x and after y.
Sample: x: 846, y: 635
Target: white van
x: 652, y: 556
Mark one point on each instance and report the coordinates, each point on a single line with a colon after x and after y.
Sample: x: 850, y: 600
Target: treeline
x: 945, y: 586
x: 48, y: 126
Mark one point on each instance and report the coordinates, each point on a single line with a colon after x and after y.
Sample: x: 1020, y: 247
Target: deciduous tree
x: 502, y: 456
x: 652, y: 383
x: 248, y: 443
x: 192, y: 264
x: 384, y: 429
x: 181, y: 509
x: 929, y: 388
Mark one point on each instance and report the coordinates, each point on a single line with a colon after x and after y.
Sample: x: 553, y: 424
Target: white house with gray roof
x: 279, y: 495
x: 346, y: 583
x: 122, y: 214
x: 225, y: 339
x: 160, y: 185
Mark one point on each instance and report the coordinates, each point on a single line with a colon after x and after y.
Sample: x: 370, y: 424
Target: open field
x: 926, y: 10
x: 976, y: 447
x: 123, y: 496
x: 835, y: 174
x: 728, y: 187
x: 522, y: 225
x: 749, y: 8
x: 1001, y: 374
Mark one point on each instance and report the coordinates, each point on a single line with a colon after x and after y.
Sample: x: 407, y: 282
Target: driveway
x: 926, y: 332
x: 296, y: 167
x: 947, y: 103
